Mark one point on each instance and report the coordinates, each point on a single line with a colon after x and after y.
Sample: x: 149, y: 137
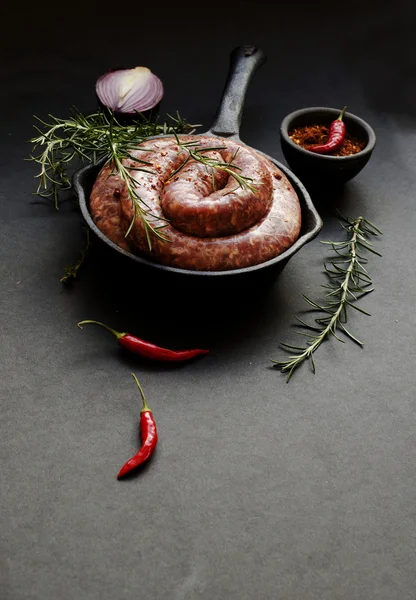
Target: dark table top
x: 258, y: 489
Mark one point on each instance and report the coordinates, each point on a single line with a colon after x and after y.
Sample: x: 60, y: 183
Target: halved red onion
x: 129, y: 90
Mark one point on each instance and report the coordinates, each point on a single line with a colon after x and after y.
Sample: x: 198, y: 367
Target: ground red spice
x: 310, y: 135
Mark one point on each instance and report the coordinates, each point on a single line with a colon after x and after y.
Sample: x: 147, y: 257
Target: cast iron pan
x: 243, y: 64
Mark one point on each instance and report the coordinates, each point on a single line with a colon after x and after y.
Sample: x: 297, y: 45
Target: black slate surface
x: 258, y: 490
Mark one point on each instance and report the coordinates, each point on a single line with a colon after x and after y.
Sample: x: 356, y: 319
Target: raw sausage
x: 213, y: 223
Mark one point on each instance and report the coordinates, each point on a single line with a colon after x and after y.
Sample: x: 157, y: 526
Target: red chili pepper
x: 336, y: 136
x: 148, y: 433
x: 147, y: 349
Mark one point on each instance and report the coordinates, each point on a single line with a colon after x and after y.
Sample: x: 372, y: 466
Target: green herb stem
x: 347, y: 284
x: 71, y: 271
x: 197, y: 153
x: 92, y: 138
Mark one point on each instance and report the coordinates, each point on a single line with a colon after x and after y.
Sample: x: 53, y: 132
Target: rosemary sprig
x: 348, y: 282
x: 197, y: 153
x: 71, y: 271
x: 92, y: 138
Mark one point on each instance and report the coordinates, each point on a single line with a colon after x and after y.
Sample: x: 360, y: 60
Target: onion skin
x: 130, y: 92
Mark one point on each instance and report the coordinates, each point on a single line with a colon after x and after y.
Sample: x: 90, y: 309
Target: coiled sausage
x: 214, y: 224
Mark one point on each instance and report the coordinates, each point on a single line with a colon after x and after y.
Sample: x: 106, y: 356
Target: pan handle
x: 244, y: 62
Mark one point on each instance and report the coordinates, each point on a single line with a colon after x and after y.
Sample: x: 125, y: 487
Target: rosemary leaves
x: 66, y: 142
x: 99, y: 136
x: 197, y: 153
x: 71, y: 270
x: 349, y: 281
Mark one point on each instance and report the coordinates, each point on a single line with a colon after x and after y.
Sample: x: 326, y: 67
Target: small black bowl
x: 324, y: 169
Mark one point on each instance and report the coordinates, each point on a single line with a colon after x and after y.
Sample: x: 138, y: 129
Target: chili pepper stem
x: 116, y: 334
x: 341, y: 114
x: 145, y: 405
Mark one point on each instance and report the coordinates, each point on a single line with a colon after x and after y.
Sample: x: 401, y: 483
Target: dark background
x: 258, y: 489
